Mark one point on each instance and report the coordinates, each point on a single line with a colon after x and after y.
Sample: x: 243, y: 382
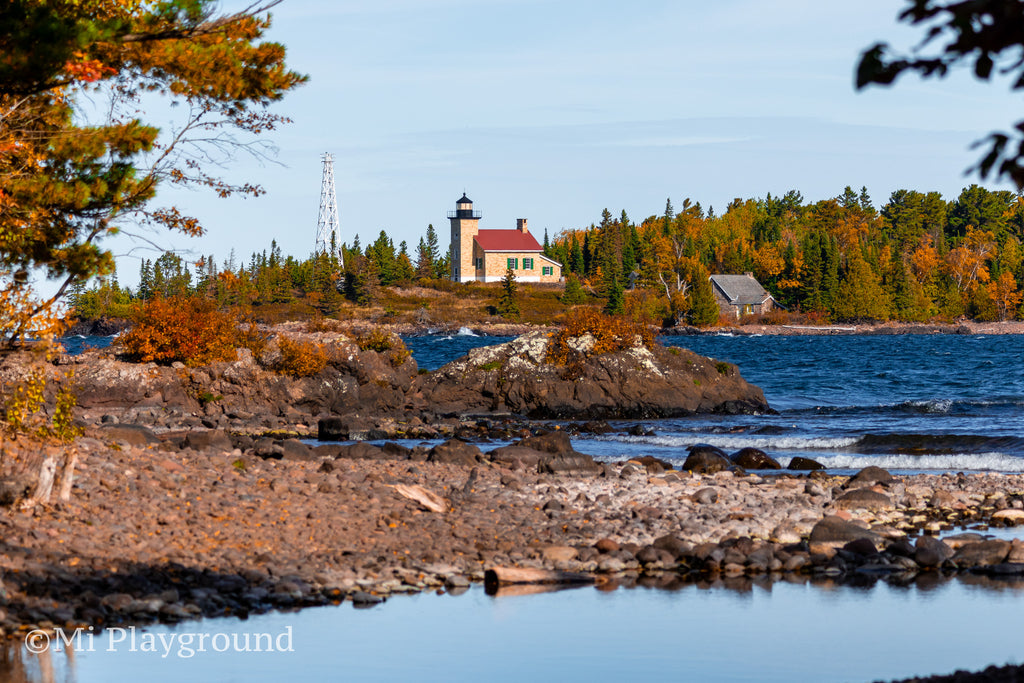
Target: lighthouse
x: 465, y: 227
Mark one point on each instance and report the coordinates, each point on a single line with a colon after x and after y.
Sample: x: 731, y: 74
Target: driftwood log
x: 497, y: 576
x: 425, y: 497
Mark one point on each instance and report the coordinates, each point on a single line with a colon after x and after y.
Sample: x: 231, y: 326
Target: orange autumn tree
x: 67, y: 182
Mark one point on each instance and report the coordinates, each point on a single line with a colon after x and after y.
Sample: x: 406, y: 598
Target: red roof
x: 507, y: 240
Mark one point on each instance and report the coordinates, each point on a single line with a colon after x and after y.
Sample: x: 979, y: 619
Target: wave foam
x: 999, y: 462
x: 765, y: 443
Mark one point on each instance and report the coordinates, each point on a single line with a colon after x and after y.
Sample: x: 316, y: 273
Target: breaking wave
x: 998, y: 462
x: 766, y: 443
x: 910, y: 445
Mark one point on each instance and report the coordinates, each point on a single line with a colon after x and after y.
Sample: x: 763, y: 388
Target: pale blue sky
x: 553, y: 110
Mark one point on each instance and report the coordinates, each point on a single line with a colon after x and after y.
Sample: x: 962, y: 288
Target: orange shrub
x: 191, y: 330
x: 611, y: 334
x: 300, y: 358
x: 381, y: 341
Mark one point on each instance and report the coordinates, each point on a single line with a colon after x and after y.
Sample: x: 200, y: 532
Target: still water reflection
x: 742, y: 630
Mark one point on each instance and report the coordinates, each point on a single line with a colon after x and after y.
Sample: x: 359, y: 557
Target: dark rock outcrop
x: 548, y: 453
x: 804, y: 464
x: 635, y: 383
x: 704, y: 459
x: 832, y: 533
x: 455, y: 451
x: 755, y: 459
x: 353, y: 381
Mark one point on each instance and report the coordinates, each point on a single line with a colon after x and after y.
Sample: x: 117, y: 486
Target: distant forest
x: 917, y: 258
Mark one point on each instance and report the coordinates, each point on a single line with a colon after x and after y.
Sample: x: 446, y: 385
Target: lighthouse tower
x: 465, y: 227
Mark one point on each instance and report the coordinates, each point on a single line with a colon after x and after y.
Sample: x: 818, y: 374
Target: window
x: 479, y: 263
x: 512, y: 263
x: 546, y: 270
x: 527, y: 264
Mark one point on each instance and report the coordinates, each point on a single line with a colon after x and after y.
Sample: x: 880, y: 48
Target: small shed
x: 739, y: 295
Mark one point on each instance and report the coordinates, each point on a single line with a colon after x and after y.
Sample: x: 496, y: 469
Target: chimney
x: 749, y: 274
x: 521, y: 225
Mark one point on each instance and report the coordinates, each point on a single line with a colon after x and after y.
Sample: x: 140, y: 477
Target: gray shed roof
x: 740, y: 289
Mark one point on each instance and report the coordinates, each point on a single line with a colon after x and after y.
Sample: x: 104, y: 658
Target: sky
x: 554, y: 110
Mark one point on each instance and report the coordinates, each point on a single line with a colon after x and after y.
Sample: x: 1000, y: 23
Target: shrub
x: 375, y: 340
x: 191, y: 330
x: 300, y: 358
x: 610, y: 333
x: 381, y: 342
x: 253, y: 338
x: 24, y: 408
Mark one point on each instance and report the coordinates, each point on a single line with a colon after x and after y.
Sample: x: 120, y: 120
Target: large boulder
x: 455, y: 452
x: 755, y: 459
x: 638, y: 382
x: 832, y: 533
x: 353, y: 381
x: 705, y: 459
x: 548, y: 453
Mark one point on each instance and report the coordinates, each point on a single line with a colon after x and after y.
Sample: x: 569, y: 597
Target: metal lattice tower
x: 327, y: 225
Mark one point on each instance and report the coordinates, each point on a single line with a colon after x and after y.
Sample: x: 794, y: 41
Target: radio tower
x: 327, y: 225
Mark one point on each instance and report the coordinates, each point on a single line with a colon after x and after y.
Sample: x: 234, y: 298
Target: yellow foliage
x: 23, y: 408
x: 610, y: 333
x: 381, y: 341
x: 191, y: 330
x: 300, y: 358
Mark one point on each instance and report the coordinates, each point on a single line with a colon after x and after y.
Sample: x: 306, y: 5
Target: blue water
x: 905, y: 402
x: 771, y: 633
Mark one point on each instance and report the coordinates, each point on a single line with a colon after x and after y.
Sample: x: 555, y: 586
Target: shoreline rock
x: 638, y: 382
x: 158, y: 532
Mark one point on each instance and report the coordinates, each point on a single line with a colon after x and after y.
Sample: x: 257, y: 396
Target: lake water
x: 765, y: 632
x: 910, y: 403
x: 904, y: 402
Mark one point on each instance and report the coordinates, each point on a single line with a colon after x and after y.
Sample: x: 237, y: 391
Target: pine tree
x: 434, y: 252
x: 508, y: 304
x: 424, y: 264
x: 703, y: 307
x: 615, y: 304
x: 573, y: 293
x: 576, y: 263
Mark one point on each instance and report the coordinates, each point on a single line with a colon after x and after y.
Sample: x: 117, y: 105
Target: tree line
x: 917, y: 258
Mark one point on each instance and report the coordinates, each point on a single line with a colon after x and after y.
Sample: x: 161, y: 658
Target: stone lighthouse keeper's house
x: 485, y: 255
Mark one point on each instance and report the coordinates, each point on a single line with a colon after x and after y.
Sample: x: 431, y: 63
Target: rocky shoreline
x: 157, y: 532
x: 111, y: 326
x: 201, y: 492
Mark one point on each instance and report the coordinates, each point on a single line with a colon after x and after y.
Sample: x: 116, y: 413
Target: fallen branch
x: 496, y: 576
x: 428, y: 499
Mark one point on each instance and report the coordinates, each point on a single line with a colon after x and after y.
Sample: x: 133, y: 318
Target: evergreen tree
x: 860, y: 294
x: 576, y: 262
x: 424, y: 263
x: 382, y: 253
x: 403, y: 266
x: 508, y: 304
x: 434, y: 252
x: 573, y: 293
x: 703, y: 307
x: 615, y: 303
x: 146, y: 280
